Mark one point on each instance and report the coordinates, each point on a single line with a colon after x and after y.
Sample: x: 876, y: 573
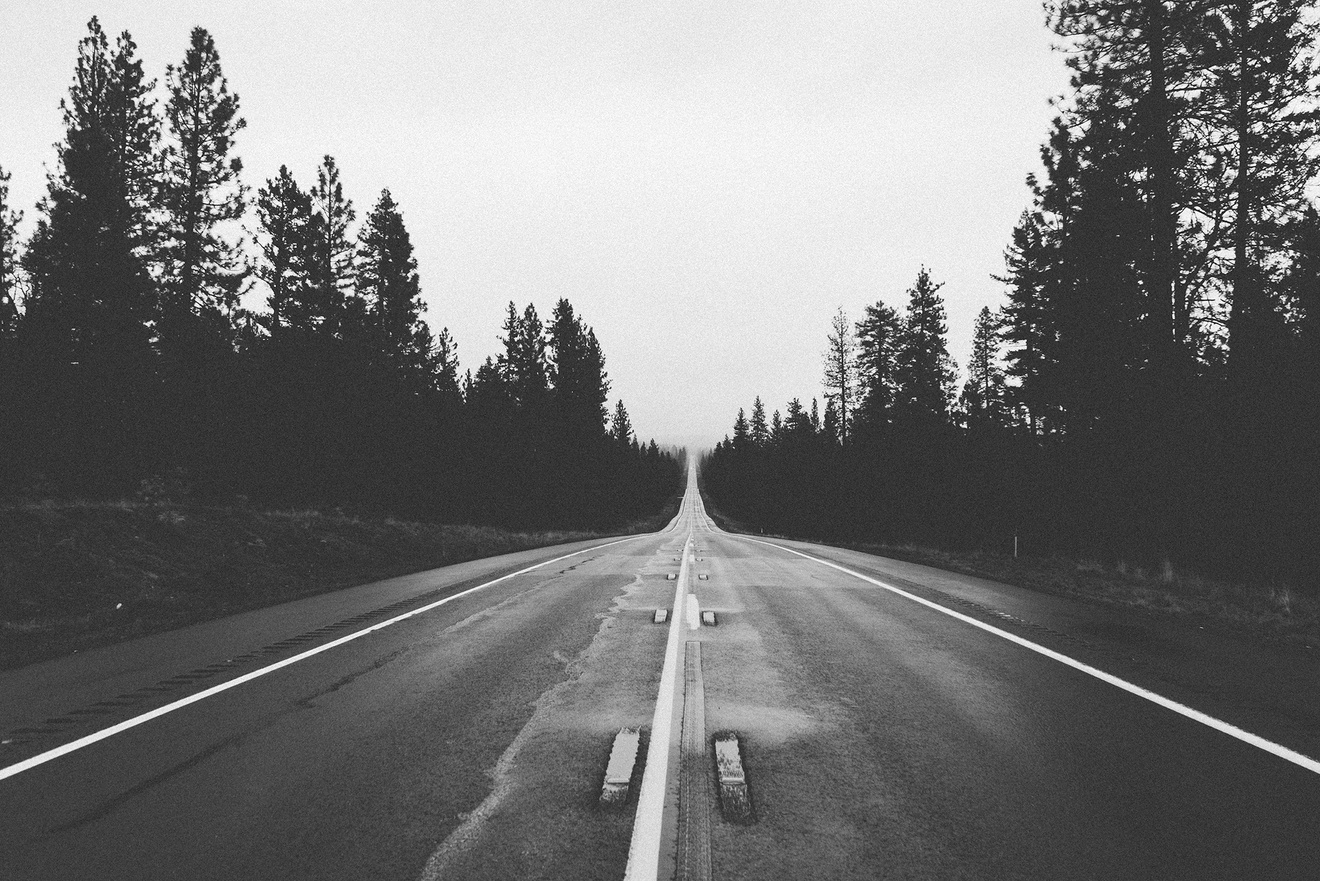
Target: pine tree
x: 201, y: 193
x: 388, y: 282
x: 332, y: 215
x: 925, y: 373
x: 797, y: 422
x: 878, y: 335
x: 92, y: 294
x: 1140, y: 64
x: 525, y: 362
x: 621, y: 427
x: 1262, y: 58
x: 742, y: 437
x: 841, y: 373
x: 831, y: 427
x: 577, y: 371
x: 444, y: 362
x: 9, y: 220
x: 1029, y: 326
x: 983, y: 395
x: 284, y: 238
x: 760, y: 432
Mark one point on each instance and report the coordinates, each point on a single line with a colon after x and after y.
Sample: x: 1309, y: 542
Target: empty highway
x: 891, y: 721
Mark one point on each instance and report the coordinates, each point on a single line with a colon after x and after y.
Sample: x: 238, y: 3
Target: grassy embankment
x: 74, y: 575
x: 1273, y: 613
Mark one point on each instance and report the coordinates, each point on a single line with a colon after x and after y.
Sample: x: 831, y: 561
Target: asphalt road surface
x: 444, y: 726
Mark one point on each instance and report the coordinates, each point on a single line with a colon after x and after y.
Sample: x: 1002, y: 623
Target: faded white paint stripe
x: 1231, y: 730
x: 75, y: 745
x: 693, y: 612
x: 644, y: 850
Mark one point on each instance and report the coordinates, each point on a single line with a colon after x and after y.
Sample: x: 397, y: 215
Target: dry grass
x: 78, y: 574
x: 1273, y: 612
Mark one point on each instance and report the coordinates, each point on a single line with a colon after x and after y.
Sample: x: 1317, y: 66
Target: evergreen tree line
x: 1151, y: 388
x: 125, y: 352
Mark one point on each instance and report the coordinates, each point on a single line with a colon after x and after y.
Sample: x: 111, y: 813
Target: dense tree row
x: 125, y: 352
x: 1151, y: 389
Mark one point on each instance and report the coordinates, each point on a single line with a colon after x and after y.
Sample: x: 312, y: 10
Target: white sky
x: 705, y: 181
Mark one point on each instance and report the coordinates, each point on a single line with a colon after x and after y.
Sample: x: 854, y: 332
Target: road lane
x: 887, y: 740
x: 361, y: 761
x: 881, y: 738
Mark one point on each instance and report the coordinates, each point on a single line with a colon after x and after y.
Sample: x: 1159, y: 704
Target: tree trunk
x: 1242, y: 311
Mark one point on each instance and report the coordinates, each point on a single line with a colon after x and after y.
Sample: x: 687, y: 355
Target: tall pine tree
x: 841, y: 373
x: 92, y: 294
x: 925, y: 373
x: 387, y: 280
x: 332, y: 271
x: 287, y: 254
x: 202, y: 193
x: 577, y: 368
x: 878, y: 335
x: 983, y: 395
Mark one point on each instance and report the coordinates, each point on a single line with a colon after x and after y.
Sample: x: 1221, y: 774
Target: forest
x: 130, y: 365
x: 1149, y: 389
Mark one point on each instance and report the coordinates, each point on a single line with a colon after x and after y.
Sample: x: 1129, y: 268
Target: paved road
x: 882, y: 738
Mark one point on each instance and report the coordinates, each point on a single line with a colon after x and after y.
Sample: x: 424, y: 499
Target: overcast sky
x: 705, y: 181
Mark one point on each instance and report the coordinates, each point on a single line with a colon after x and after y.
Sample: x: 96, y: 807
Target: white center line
x: 73, y: 746
x: 644, y: 851
x: 1231, y: 730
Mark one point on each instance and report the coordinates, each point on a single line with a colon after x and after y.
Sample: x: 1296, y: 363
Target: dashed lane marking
x: 735, y: 798
x: 619, y: 771
x: 693, y: 611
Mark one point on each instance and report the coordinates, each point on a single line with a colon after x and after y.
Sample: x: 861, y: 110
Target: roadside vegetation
x: 1147, y: 392
x: 218, y: 355
x: 165, y: 317
x: 1277, y: 614
x: 78, y: 574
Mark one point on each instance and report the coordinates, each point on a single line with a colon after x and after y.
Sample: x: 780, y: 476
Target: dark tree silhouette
x: 388, y: 282
x: 332, y: 276
x: 878, y: 336
x: 287, y: 254
x: 92, y: 295
x: 201, y: 191
x: 9, y: 220
x: 925, y: 372
x: 983, y: 395
x: 841, y: 374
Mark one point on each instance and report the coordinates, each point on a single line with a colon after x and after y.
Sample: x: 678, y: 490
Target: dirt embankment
x: 1271, y: 613
x: 79, y: 574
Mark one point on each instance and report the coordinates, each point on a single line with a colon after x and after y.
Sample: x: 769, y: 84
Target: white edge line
x: 1231, y: 730
x: 88, y: 740
x: 644, y: 849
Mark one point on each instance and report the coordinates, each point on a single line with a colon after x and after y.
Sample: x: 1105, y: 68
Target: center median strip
x: 644, y: 849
